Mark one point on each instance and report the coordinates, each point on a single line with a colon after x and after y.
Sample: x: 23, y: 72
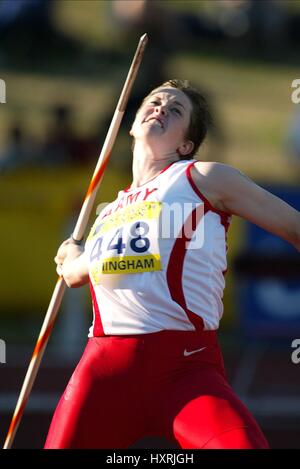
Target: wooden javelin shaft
x: 78, y: 234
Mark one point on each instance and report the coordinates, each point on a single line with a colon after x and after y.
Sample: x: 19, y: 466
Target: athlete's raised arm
x: 230, y: 190
x: 71, y: 264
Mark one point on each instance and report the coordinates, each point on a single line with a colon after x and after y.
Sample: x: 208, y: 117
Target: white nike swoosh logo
x: 186, y: 353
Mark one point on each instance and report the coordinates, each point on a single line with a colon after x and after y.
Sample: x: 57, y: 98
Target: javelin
x: 77, y: 236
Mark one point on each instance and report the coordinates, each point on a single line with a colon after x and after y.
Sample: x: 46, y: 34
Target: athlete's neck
x: 147, y: 164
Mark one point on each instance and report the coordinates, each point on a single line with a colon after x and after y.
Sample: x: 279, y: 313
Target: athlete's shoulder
x: 211, y: 177
x: 219, y: 178
x: 214, y: 170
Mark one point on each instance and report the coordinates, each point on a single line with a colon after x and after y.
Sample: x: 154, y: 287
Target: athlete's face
x: 163, y: 120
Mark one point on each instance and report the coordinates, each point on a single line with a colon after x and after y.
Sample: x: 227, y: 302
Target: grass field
x: 252, y: 99
x: 255, y: 108
x: 253, y: 103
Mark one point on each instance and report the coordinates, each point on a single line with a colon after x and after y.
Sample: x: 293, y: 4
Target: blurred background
x: 64, y: 64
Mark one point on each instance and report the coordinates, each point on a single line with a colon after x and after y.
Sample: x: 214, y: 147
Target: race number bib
x: 126, y: 242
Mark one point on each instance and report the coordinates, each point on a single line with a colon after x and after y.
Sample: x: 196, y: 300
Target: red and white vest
x: 157, y: 256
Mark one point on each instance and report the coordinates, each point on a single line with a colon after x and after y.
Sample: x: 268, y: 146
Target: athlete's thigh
x: 97, y: 409
x: 203, y: 406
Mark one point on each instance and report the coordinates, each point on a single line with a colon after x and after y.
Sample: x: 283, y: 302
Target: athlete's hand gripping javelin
x: 71, y: 263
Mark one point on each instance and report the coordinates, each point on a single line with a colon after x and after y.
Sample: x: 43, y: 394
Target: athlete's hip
x: 158, y: 352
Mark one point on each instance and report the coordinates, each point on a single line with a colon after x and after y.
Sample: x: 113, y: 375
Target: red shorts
x: 170, y: 384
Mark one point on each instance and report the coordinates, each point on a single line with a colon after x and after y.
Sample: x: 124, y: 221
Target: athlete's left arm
x: 235, y: 193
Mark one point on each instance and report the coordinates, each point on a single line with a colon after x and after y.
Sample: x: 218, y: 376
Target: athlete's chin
x: 153, y: 132
x: 158, y: 142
